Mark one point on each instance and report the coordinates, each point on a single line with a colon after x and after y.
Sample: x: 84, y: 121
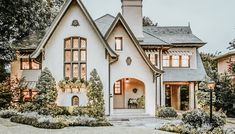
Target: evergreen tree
x: 232, y: 45
x: 47, y: 92
x: 148, y: 22
x: 5, y: 94
x: 95, y: 95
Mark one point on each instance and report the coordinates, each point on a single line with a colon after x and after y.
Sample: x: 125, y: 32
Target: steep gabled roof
x: 120, y: 19
x: 175, y: 35
x: 56, y: 22
x: 104, y: 22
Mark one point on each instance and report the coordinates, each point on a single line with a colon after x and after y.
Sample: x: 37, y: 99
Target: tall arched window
x: 75, y: 58
x: 75, y: 101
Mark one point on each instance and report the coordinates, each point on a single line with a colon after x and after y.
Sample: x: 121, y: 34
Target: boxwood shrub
x: 166, y: 112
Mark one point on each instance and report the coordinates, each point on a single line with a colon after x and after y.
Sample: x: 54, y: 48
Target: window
x: 118, y: 43
x: 175, y: 61
x: 185, y: 61
x: 29, y: 64
x: 118, y: 87
x: 75, y: 101
x: 153, y: 59
x: 75, y: 58
x: 166, y: 61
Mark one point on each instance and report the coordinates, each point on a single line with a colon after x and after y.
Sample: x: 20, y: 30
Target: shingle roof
x: 104, y: 22
x: 225, y: 55
x: 174, y: 34
x: 150, y: 39
x: 186, y: 74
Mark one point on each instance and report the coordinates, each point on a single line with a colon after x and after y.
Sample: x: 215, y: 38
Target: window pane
x: 166, y: 61
x: 75, y: 101
x: 83, y: 71
x: 75, y: 42
x: 153, y: 58
x: 117, y: 87
x: 68, y: 44
x: 34, y: 64
x: 75, y: 70
x: 83, y: 43
x: 75, y: 55
x: 67, y: 69
x: 25, y: 64
x: 185, y: 61
x: 175, y: 61
x: 67, y: 56
x: 118, y: 43
x: 83, y: 55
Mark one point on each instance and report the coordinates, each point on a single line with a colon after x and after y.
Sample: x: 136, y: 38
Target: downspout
x: 110, y: 63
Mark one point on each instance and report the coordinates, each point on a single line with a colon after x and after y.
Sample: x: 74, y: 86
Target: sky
x: 213, y: 21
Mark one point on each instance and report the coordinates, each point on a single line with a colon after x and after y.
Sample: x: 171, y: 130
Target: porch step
x: 127, y: 114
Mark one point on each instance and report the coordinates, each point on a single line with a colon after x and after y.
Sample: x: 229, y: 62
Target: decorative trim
x: 128, y: 61
x: 75, y: 23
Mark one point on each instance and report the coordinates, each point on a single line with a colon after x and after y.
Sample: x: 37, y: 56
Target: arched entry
x: 128, y: 93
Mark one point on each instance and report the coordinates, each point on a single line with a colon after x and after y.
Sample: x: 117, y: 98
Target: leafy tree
x: 5, y: 93
x: 47, y: 92
x: 148, y: 22
x: 232, y: 45
x: 19, y: 19
x: 95, y: 95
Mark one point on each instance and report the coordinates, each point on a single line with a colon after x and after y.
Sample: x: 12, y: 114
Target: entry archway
x: 129, y: 93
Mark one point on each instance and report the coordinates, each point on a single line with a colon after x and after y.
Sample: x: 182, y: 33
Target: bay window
x: 75, y: 57
x: 175, y: 61
x: 166, y: 61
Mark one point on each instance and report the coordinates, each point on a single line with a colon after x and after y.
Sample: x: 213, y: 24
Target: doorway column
x: 191, y: 96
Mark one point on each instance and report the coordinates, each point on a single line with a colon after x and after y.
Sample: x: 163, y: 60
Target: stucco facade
x: 131, y: 62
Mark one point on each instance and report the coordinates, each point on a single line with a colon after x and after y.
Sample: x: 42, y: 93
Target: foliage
x: 28, y: 107
x: 95, y: 96
x: 8, y: 113
x: 47, y: 92
x: 141, y: 102
x: 5, y: 93
x: 210, y: 64
x: 53, y: 110
x: 197, y: 118
x: 231, y: 68
x: 166, y: 112
x: 232, y: 45
x: 225, y: 94
x: 74, y: 83
x: 80, y: 111
x: 148, y: 22
x: 176, y: 128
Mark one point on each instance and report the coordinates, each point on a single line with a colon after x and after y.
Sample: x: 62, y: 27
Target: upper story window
x: 75, y: 58
x: 29, y: 64
x: 153, y: 58
x: 176, y: 61
x: 118, y: 43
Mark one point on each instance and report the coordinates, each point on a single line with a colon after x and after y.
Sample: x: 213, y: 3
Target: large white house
x: 161, y: 64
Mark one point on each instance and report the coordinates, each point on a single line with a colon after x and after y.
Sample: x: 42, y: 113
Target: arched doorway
x: 128, y: 93
x: 75, y: 101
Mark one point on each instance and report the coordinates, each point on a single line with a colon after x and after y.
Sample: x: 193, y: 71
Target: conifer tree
x: 47, y: 92
x: 5, y: 94
x: 95, y: 95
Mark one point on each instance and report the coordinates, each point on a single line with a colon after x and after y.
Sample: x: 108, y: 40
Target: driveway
x: 7, y: 127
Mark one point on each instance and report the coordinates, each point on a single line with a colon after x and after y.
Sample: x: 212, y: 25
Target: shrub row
x: 7, y: 113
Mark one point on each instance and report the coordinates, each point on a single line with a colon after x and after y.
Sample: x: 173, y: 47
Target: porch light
x: 127, y: 80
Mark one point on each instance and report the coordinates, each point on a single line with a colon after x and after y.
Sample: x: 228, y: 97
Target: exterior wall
x: 223, y: 64
x: 54, y: 51
x: 138, y: 68
x: 132, y: 12
x: 16, y: 72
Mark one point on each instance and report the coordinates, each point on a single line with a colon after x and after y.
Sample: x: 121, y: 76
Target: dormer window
x: 176, y: 61
x: 118, y: 43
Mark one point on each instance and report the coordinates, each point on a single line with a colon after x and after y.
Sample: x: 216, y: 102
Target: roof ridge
x: 104, y: 16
